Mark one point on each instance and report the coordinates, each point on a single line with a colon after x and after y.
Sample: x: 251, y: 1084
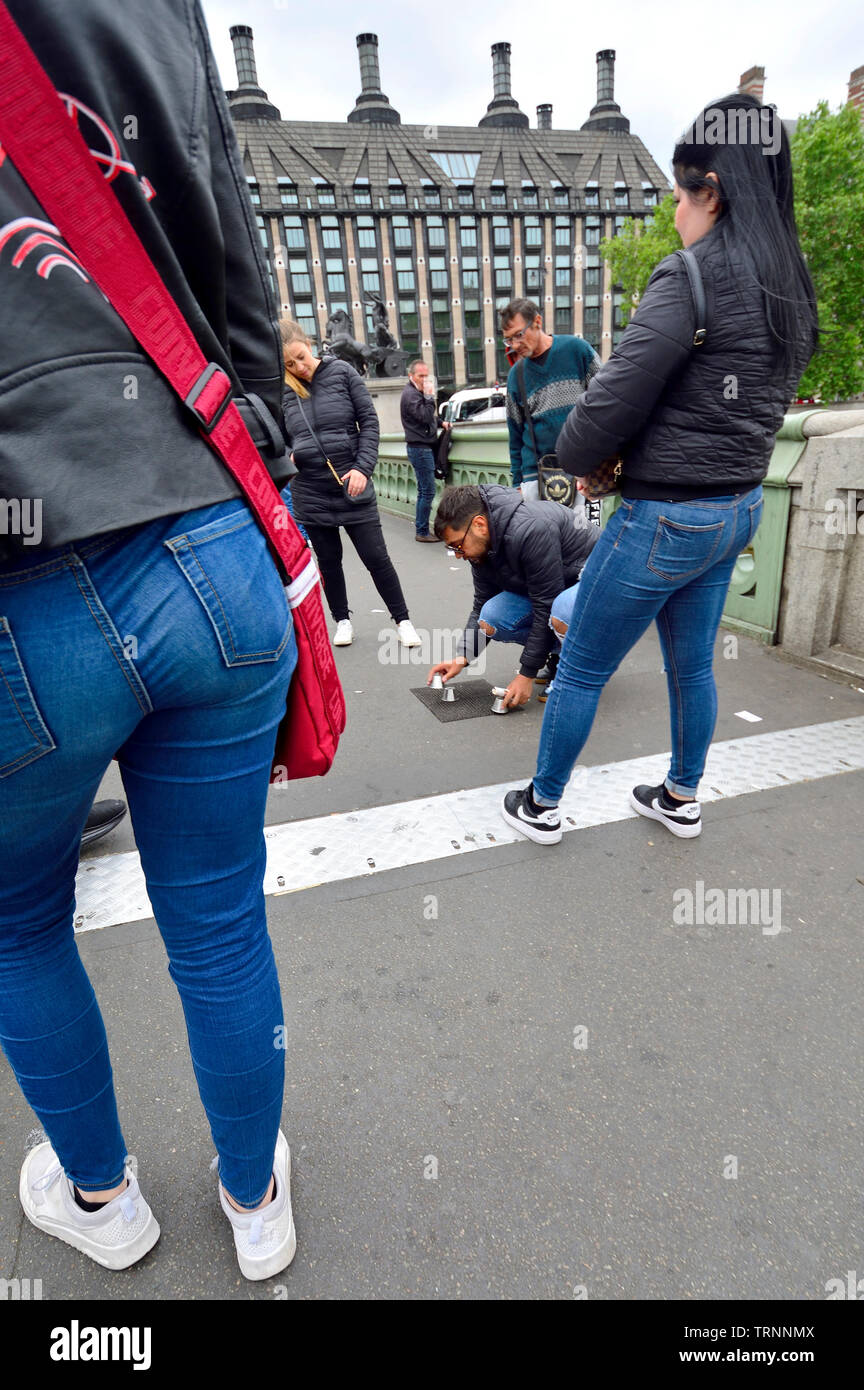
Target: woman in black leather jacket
x: 332, y: 427
x: 694, y: 426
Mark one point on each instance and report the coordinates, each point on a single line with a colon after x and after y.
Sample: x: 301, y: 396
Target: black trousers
x: 368, y: 540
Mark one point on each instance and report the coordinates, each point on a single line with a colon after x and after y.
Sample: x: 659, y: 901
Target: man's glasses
x: 456, y: 546
x: 516, y: 337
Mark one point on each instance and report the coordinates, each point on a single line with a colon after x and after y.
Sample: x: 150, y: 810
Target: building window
x: 498, y: 195
x: 287, y: 192
x: 254, y: 192
x: 438, y: 277
x: 401, y: 233
x: 441, y: 315
x: 562, y: 272
x: 592, y: 279
x: 294, y: 238
x: 562, y: 197
x: 563, y: 231
x: 366, y: 234
x: 362, y: 193
x: 533, y: 232
x: 335, y: 277
x: 533, y: 275
x: 405, y: 273
x: 620, y: 222
x: 591, y: 321
x: 331, y: 236
x: 435, y: 233
x: 467, y: 232
x: 592, y: 231
x: 326, y: 194
x: 470, y: 273
x: 431, y: 195
x: 501, y: 233
x: 529, y: 196
x: 301, y: 281
x: 370, y: 276
x: 457, y: 166
x: 466, y: 196
x: 649, y: 195
x: 503, y: 274
x: 592, y: 194
x: 397, y: 194
x: 622, y: 194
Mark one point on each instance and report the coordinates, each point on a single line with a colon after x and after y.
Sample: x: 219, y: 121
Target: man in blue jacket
x: 549, y: 376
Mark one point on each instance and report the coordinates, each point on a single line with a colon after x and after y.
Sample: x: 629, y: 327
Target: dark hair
x: 414, y: 364
x: 731, y: 137
x: 518, y: 308
x: 456, y: 508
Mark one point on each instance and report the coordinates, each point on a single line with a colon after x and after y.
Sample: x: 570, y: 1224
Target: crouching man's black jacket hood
x: 536, y: 551
x: 87, y: 423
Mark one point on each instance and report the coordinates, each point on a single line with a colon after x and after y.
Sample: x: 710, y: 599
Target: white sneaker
x: 116, y: 1236
x: 408, y: 634
x: 265, y: 1240
x: 344, y: 634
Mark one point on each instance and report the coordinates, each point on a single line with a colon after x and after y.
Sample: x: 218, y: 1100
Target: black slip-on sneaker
x: 685, y: 820
x: 540, y: 823
x: 104, y: 816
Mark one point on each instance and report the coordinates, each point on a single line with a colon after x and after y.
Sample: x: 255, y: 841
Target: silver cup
x: 499, y: 706
x: 437, y: 683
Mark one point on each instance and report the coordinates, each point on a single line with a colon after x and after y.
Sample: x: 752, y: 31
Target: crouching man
x: 526, y: 558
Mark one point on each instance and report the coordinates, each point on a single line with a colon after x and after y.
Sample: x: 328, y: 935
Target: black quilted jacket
x: 340, y: 411
x: 536, y: 551
x: 684, y: 416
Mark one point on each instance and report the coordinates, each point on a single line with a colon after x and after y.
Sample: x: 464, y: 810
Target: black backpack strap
x: 520, y: 373
x: 697, y: 289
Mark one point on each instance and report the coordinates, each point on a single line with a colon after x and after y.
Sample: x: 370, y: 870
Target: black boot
x: 104, y: 815
x: 547, y: 675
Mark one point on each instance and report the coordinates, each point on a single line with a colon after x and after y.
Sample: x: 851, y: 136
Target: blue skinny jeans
x: 170, y: 647
x: 669, y: 562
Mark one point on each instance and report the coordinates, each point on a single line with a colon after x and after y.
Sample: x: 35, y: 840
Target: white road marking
x: 303, y: 854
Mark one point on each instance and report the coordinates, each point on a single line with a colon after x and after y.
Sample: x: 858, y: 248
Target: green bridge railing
x: 479, y: 454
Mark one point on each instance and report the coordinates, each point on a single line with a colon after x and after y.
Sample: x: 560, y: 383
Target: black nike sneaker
x: 540, y: 823
x: 683, y: 818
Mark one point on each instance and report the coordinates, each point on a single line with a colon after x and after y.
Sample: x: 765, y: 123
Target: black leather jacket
x: 87, y: 423
x: 685, y: 417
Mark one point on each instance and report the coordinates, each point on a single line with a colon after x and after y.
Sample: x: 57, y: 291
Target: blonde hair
x: 292, y: 333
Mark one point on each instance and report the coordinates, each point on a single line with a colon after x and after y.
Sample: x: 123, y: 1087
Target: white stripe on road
x: 306, y: 853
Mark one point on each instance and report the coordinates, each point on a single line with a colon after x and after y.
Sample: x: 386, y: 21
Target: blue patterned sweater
x: 553, y: 390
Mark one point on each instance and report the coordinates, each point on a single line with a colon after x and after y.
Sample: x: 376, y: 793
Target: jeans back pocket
x: 23, y: 733
x: 680, y: 552
x: 230, y: 568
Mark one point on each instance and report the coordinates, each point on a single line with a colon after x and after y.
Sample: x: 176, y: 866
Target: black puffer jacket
x: 683, y: 416
x: 340, y: 410
x: 537, y: 551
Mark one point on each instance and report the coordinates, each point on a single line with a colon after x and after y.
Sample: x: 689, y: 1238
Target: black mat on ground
x: 473, y: 700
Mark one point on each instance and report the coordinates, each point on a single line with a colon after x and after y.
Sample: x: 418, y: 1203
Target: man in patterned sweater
x: 557, y: 371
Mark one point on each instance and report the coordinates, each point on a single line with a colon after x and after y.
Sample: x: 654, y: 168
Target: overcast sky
x: 436, y: 64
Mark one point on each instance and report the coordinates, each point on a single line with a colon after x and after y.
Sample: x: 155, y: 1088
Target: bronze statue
x: 386, y: 357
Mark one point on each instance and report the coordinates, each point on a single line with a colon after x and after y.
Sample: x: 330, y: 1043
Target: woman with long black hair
x: 694, y: 426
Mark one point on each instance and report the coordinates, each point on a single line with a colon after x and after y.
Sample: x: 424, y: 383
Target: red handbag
x: 51, y: 156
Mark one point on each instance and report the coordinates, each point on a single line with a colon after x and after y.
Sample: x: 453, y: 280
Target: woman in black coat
x: 694, y: 420
x: 331, y: 425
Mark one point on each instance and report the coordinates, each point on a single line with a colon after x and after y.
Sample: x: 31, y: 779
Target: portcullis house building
x: 444, y: 223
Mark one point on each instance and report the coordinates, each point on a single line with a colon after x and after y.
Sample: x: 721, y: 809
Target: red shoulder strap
x: 50, y: 154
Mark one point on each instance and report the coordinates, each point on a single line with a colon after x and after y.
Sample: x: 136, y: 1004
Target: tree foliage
x: 828, y: 170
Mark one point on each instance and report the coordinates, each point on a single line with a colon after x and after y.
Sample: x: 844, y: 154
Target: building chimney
x: 371, y: 107
x: 856, y: 89
x: 544, y: 116
x: 752, y: 83
x: 502, y: 109
x: 249, y: 101
x: 606, y: 114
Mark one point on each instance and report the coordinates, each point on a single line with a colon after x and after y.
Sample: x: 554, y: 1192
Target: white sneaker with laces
x: 265, y: 1240
x: 116, y: 1236
x: 344, y: 634
x: 408, y: 634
